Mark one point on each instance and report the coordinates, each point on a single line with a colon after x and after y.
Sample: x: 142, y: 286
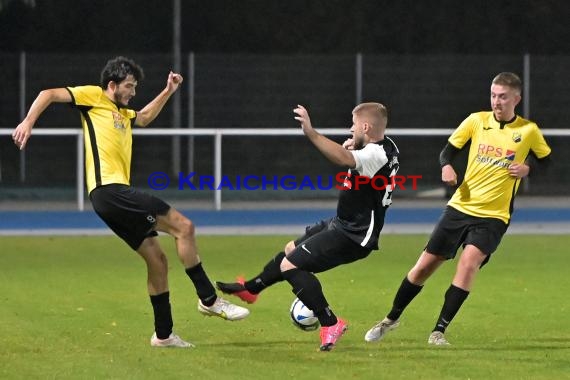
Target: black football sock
x: 326, y: 317
x: 162, y: 315
x: 454, y: 298
x: 270, y: 275
x: 404, y: 296
x: 204, y: 287
x: 308, y: 289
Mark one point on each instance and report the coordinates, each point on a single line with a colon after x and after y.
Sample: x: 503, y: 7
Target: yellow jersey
x: 488, y: 191
x: 107, y: 134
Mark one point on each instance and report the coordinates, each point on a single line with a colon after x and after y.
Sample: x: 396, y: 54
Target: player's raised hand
x: 303, y: 118
x: 173, y: 81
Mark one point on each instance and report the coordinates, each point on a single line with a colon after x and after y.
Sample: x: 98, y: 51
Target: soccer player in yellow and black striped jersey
x: 504, y: 149
x: 133, y: 215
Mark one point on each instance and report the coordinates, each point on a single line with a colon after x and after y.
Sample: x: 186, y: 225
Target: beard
x: 358, y: 143
x: 117, y: 97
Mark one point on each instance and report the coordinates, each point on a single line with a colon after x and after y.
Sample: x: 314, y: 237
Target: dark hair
x: 511, y: 80
x: 117, y: 70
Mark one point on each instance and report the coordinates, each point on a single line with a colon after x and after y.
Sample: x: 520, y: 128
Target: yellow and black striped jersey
x: 107, y: 135
x: 488, y: 190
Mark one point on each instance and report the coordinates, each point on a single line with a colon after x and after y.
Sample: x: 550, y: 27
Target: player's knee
x: 289, y: 247
x: 469, y: 266
x: 187, y: 229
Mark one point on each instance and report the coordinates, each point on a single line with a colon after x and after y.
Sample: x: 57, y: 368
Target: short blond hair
x: 511, y: 80
x: 376, y: 113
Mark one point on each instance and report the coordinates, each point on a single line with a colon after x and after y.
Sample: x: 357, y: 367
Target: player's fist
x: 173, y: 81
x: 518, y: 170
x: 176, y: 78
x: 348, y: 144
x: 448, y: 175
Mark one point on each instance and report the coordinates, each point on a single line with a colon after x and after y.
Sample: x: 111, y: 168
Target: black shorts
x: 131, y: 214
x: 456, y: 229
x: 324, y: 247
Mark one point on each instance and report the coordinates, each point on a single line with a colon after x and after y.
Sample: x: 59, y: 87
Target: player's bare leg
x: 183, y: 231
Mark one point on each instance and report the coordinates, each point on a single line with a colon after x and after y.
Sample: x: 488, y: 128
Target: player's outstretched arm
x: 46, y: 97
x: 334, y: 152
x: 152, y: 109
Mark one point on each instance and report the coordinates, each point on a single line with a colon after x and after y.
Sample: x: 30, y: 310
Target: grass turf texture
x: 77, y: 308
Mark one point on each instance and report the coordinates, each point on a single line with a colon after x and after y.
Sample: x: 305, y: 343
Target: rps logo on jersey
x: 498, y: 152
x: 118, y: 121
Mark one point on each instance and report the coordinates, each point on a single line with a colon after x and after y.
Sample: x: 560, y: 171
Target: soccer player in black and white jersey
x: 349, y: 236
x: 504, y: 149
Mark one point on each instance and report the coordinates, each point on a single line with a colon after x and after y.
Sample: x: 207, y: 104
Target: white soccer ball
x: 302, y: 316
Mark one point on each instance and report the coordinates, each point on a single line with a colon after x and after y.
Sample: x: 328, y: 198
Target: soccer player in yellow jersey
x: 133, y: 215
x: 504, y: 149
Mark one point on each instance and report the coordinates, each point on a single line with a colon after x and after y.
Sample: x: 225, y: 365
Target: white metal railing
x: 218, y: 133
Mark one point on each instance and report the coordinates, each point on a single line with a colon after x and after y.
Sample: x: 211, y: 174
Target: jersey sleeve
x: 85, y: 95
x: 132, y: 114
x: 369, y: 159
x: 539, y: 145
x: 463, y: 133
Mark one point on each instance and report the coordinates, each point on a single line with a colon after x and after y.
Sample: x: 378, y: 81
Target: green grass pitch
x: 77, y: 308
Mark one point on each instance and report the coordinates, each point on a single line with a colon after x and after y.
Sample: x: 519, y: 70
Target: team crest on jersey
x: 393, y: 161
x: 510, y: 155
x: 118, y: 121
x: 517, y: 137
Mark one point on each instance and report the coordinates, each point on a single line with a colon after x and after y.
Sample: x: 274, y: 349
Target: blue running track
x: 88, y: 220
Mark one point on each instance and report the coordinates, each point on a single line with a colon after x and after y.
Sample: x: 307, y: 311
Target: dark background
x: 291, y: 26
